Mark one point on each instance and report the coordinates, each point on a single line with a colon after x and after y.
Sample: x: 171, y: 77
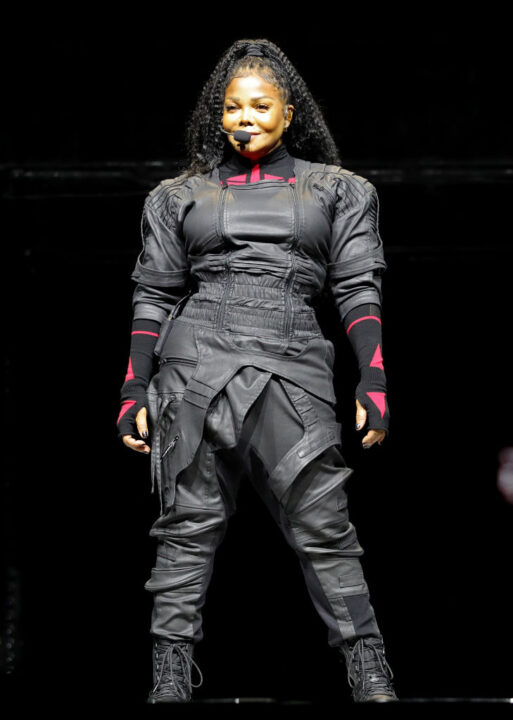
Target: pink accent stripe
x: 124, y: 407
x: 272, y: 177
x: 255, y: 173
x: 366, y: 317
x: 236, y: 180
x: 144, y: 332
x: 292, y: 180
x: 130, y: 372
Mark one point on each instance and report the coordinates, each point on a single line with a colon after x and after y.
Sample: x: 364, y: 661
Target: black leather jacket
x: 321, y: 228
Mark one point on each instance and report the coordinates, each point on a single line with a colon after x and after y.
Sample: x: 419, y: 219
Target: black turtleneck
x: 276, y: 165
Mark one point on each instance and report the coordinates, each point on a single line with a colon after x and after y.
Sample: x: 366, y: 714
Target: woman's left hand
x: 372, y: 436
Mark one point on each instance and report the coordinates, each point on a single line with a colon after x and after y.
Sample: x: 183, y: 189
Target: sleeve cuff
x: 159, y: 278
x: 149, y: 312
x: 371, y: 261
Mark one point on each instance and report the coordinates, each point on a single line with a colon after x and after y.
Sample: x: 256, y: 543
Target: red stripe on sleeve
x: 366, y: 317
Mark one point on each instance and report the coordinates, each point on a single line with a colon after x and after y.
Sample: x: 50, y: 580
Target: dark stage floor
x: 118, y: 699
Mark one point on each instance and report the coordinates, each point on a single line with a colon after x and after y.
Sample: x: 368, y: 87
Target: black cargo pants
x: 312, y: 515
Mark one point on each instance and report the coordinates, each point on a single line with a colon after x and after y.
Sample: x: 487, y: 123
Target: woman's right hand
x: 134, y: 443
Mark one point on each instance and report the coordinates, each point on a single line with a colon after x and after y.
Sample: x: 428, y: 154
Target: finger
x: 141, y: 421
x: 372, y: 437
x: 136, y: 444
x: 361, y: 415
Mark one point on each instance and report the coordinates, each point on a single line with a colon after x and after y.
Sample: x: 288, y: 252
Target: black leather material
x: 245, y: 384
x: 321, y: 229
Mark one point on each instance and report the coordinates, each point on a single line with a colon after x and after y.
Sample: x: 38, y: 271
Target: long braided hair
x: 308, y: 135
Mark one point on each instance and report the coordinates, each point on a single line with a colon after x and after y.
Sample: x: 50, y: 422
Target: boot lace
x: 182, y: 667
x: 368, y: 672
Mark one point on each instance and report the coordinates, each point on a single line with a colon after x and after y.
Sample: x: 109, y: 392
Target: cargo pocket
x: 159, y: 404
x: 167, y: 415
x: 166, y: 421
x: 174, y: 375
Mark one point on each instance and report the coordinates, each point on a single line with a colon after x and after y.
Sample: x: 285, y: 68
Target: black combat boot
x: 368, y: 671
x: 172, y: 664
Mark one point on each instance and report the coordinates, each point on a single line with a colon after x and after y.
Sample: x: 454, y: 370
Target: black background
x: 419, y: 105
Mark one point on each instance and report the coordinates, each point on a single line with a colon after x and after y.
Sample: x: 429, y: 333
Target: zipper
x: 220, y: 212
x: 222, y: 234
x: 290, y: 277
x: 288, y: 300
x: 171, y: 446
x: 229, y: 282
x: 181, y: 361
x: 155, y: 455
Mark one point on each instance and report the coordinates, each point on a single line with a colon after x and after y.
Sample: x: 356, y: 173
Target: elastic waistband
x: 249, y: 308
x: 261, y: 285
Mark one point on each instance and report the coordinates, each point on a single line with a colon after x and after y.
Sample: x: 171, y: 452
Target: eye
x: 230, y: 107
x: 262, y: 106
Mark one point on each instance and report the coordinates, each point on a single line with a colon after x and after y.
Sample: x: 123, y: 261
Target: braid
x: 308, y: 135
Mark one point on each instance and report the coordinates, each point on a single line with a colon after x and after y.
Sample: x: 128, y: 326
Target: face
x: 254, y: 105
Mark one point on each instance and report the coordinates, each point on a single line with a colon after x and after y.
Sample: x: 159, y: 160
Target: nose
x: 247, y: 115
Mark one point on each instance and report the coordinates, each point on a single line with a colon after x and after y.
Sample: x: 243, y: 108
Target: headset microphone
x: 241, y: 136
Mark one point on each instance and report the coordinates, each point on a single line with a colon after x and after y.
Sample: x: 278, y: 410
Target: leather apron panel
x: 230, y: 372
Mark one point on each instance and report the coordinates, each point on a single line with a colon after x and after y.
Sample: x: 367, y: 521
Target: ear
x: 289, y: 112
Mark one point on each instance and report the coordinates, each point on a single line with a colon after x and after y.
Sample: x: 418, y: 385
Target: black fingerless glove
x: 133, y: 398
x: 363, y: 327
x: 140, y: 369
x: 371, y: 393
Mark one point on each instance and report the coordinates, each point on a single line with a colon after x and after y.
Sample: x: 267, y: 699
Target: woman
x: 234, y: 250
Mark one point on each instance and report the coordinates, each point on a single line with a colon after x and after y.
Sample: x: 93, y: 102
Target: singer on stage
x: 230, y: 376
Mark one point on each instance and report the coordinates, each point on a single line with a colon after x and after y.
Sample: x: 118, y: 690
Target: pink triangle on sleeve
x: 378, y: 398
x: 129, y: 373
x: 377, y: 359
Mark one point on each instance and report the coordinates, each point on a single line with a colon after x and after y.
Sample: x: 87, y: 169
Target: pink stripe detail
x: 292, y: 180
x: 144, y: 332
x: 272, y: 177
x: 377, y: 359
x: 366, y: 317
x: 378, y: 398
x: 236, y: 179
x: 129, y: 373
x: 255, y: 173
x: 124, y: 407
